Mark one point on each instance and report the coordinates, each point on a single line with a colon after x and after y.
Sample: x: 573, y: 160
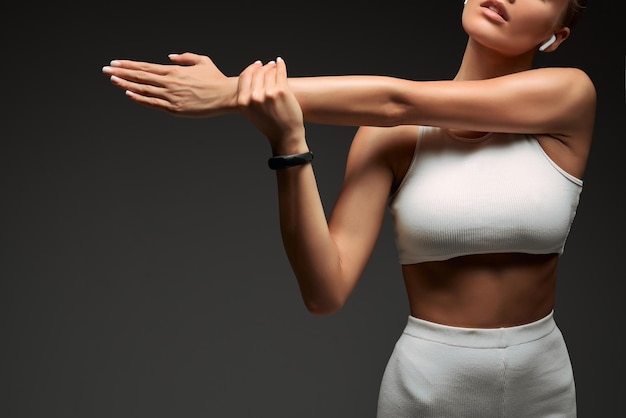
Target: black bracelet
x: 283, y: 161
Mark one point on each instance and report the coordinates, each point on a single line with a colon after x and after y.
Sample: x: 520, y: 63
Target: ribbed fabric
x: 499, y: 194
x: 438, y: 371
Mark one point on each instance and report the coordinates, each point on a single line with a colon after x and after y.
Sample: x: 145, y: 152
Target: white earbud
x: 548, y: 43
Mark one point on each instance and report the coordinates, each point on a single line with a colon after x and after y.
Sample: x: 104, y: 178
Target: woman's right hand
x: 264, y: 97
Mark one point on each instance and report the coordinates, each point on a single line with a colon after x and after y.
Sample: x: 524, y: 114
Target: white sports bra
x: 500, y: 193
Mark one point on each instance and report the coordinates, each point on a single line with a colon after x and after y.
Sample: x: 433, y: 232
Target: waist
x: 483, y: 291
x: 481, y: 337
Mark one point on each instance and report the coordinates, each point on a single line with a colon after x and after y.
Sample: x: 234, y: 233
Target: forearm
x: 350, y: 100
x: 307, y: 241
x: 340, y: 100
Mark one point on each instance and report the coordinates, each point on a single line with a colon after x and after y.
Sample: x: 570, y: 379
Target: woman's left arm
x: 557, y: 101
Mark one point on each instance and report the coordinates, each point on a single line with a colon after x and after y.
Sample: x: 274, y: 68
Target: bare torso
x: 482, y: 291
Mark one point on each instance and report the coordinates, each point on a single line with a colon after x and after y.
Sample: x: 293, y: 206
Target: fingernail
x: 115, y: 79
x: 115, y: 64
x: 278, y: 59
x: 107, y: 70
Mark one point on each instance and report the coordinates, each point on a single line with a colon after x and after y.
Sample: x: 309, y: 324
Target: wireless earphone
x: 548, y: 43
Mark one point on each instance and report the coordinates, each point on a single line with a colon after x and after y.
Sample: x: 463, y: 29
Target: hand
x: 193, y: 87
x: 265, y: 99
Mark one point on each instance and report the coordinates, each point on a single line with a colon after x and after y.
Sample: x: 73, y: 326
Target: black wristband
x: 284, y: 161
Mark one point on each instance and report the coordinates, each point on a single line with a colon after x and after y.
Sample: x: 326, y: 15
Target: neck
x: 480, y: 62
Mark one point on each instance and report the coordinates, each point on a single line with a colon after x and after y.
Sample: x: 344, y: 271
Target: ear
x: 561, y: 35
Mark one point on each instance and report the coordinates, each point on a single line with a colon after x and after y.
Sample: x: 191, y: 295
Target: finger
x: 244, y: 86
x: 250, y: 69
x: 136, y: 76
x: 151, y: 101
x: 270, y: 79
x: 187, y: 58
x: 281, y: 71
x: 147, y: 67
x: 139, y: 88
x: 257, y: 88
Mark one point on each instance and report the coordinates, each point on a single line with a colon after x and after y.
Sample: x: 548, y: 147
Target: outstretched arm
x: 556, y: 101
x: 195, y: 87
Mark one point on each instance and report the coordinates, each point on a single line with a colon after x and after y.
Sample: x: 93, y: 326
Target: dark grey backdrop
x: 142, y: 273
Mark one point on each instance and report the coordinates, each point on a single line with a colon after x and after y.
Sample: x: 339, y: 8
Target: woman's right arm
x: 327, y: 257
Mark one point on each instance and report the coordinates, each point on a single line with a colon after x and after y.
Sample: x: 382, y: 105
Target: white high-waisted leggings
x: 438, y: 371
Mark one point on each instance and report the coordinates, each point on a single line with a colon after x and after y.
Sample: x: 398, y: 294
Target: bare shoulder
x: 571, y: 73
x: 558, y: 83
x: 388, y: 148
x: 564, y: 102
x: 576, y: 100
x: 572, y: 78
x: 383, y: 143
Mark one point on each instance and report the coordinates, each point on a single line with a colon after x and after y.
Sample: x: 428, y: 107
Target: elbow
x: 325, y: 294
x: 323, y: 306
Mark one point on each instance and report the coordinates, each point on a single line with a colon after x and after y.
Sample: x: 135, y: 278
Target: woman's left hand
x: 192, y: 87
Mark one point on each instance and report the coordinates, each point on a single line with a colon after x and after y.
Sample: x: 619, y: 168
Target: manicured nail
x: 129, y: 93
x: 115, y: 63
x: 107, y: 70
x: 278, y: 59
x: 115, y: 79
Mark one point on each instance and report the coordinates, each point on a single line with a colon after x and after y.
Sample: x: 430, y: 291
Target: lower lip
x: 491, y: 15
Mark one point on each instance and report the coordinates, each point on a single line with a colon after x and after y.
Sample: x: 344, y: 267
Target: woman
x: 483, y: 175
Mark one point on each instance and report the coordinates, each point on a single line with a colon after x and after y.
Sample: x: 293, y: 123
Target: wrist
x: 287, y: 147
x: 281, y: 162
x: 230, y: 95
x: 289, y: 153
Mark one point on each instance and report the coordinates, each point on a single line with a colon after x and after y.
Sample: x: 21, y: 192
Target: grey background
x: 142, y: 273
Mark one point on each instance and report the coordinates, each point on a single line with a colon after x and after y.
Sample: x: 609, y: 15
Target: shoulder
x: 576, y: 99
x: 573, y: 78
x: 560, y: 101
x: 382, y: 143
x: 567, y: 74
x: 546, y: 79
x: 388, y: 149
x: 573, y: 82
x: 574, y: 106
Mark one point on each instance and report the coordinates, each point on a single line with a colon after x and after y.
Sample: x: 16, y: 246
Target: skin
x: 496, y: 89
